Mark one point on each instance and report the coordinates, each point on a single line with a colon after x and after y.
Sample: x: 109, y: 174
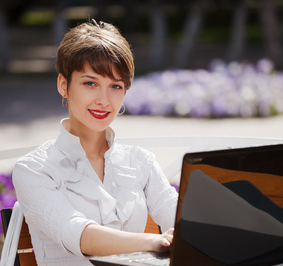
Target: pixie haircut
x: 99, y: 44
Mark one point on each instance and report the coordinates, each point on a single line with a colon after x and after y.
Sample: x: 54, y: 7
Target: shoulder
x: 134, y: 155
x: 41, y: 151
x: 37, y: 158
x: 35, y: 167
x: 133, y: 150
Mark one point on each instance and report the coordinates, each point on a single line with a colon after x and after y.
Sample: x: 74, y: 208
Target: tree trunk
x: 270, y: 32
x: 192, y: 27
x: 60, y: 24
x: 238, y: 31
x: 158, y: 46
x: 4, y: 41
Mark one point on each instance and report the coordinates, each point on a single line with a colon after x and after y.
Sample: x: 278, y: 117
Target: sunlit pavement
x: 39, y: 130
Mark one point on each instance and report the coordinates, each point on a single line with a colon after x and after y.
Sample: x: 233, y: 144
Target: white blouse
x: 60, y: 194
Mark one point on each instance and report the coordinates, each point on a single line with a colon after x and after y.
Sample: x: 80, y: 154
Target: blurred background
x: 163, y: 34
x: 203, y: 59
x: 204, y: 67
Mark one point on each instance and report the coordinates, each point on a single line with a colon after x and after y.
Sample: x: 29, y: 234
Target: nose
x: 102, y: 97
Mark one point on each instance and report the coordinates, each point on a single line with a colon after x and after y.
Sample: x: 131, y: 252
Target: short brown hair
x: 99, y: 44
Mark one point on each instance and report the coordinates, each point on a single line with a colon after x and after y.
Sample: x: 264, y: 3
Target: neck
x: 96, y: 145
x: 93, y: 142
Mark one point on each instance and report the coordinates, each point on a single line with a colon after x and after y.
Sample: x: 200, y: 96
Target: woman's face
x: 93, y: 100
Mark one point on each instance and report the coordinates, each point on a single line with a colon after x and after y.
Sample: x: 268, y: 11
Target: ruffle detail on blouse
x: 116, y: 206
x: 123, y: 181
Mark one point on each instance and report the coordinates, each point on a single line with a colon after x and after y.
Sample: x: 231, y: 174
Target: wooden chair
x: 151, y: 226
x: 24, y: 253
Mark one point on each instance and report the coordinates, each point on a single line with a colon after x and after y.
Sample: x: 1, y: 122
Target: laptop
x: 229, y: 211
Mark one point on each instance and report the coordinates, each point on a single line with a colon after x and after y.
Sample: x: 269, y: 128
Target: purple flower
x: 175, y: 186
x: 7, y: 195
x: 6, y: 181
x: 7, y: 192
x: 224, y: 90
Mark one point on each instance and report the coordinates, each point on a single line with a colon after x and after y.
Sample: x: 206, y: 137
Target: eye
x: 89, y: 83
x: 116, y: 87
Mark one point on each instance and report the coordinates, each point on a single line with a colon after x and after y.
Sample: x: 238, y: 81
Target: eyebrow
x: 93, y: 77
x: 88, y: 76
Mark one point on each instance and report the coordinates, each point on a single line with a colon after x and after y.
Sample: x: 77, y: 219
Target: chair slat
x: 26, y: 256
x: 151, y: 226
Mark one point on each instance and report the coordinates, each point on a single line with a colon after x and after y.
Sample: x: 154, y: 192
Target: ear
x: 62, y: 86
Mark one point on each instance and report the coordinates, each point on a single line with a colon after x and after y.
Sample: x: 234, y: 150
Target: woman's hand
x: 161, y: 243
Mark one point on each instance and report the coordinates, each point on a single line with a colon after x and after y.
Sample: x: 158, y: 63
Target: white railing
x: 169, y: 151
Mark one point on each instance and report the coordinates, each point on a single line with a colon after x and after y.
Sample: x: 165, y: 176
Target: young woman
x: 83, y: 194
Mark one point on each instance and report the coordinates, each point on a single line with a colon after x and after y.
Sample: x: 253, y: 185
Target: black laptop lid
x: 230, y: 208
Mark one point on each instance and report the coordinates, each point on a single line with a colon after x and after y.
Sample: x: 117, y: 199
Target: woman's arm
x: 161, y: 197
x: 97, y: 240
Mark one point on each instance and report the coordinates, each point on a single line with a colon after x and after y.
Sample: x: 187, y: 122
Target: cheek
x: 74, y: 102
x: 121, y: 100
x: 79, y: 98
x: 117, y: 99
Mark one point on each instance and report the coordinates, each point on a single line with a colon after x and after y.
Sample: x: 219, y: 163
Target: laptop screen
x: 230, y: 208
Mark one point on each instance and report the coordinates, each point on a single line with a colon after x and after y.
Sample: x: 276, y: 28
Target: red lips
x: 98, y: 114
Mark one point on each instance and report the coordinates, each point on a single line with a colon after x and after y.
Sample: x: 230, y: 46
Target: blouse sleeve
x: 45, y: 206
x: 161, y: 196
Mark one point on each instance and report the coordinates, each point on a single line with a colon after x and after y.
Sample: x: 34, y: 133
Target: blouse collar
x: 71, y: 145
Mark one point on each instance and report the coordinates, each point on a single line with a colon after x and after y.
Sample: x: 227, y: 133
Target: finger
x: 169, y: 235
x: 165, y: 243
x: 169, y: 238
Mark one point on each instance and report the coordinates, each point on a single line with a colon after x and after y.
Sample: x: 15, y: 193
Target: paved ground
x: 18, y: 134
